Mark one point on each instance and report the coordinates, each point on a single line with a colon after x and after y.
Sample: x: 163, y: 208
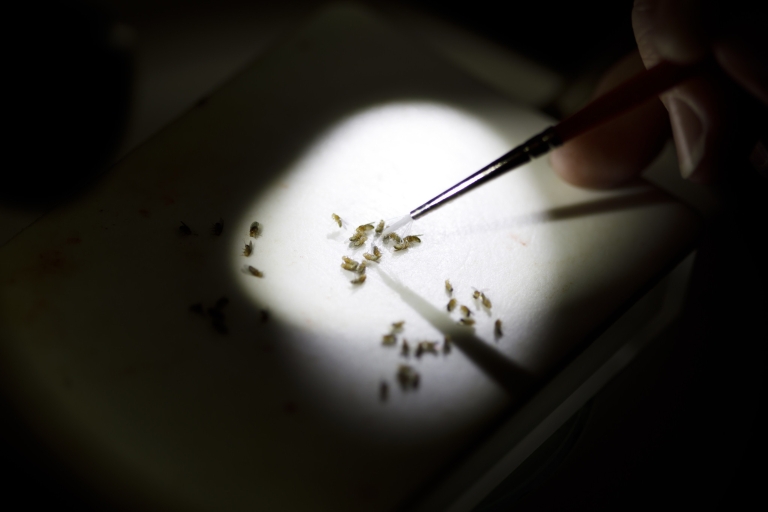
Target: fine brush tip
x: 397, y: 224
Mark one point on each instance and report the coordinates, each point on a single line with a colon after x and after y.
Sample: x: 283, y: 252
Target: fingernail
x: 688, y: 132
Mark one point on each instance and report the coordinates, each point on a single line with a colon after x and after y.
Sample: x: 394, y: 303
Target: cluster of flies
x: 466, y: 313
x: 216, y: 312
x: 254, y: 232
x: 360, y: 237
x: 407, y: 377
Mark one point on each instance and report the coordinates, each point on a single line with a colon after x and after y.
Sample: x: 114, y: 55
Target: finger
x: 682, y: 31
x: 619, y: 150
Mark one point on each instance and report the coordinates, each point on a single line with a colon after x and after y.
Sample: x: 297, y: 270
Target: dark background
x: 683, y: 426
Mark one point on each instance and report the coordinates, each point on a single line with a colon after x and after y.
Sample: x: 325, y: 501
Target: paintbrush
x: 626, y: 96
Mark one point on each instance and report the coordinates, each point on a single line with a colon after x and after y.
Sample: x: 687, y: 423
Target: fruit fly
x: 364, y: 227
x: 395, y: 237
x: 398, y: 326
x: 361, y: 268
x: 426, y: 346
x: 465, y: 311
x: 401, y: 246
x: 380, y: 227
x: 248, y: 249
x: 407, y: 377
x: 412, y: 239
x: 255, y: 230
x: 389, y: 340
x: 383, y: 391
x: 477, y: 294
x: 467, y: 321
x: 255, y: 272
x: 218, y: 228
x: 405, y: 350
x: 360, y: 241
x: 451, y: 305
x: 359, y: 280
x: 349, y: 264
x: 448, y: 287
x: 184, y: 229
x: 373, y: 257
x: 497, y: 328
x: 336, y: 219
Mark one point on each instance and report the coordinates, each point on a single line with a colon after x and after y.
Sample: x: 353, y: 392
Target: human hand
x: 714, y: 118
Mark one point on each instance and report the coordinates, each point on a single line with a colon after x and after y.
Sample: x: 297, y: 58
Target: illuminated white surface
x: 144, y: 399
x: 372, y: 166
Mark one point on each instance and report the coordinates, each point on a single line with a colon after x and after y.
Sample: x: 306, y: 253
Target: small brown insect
x: 412, y: 239
x: 389, y: 340
x: 401, y: 246
x: 407, y: 377
x: 405, y: 350
x: 349, y: 264
x: 497, y: 328
x: 364, y: 227
x: 255, y: 272
x: 184, y: 229
x: 361, y: 268
x: 448, y: 287
x: 255, y: 230
x: 451, y: 305
x: 426, y: 347
x: 465, y: 311
x: 380, y: 227
x: 483, y: 299
x: 248, y: 249
x: 218, y: 228
x: 395, y: 237
x: 447, y: 345
x: 336, y: 219
x: 373, y: 257
x: 360, y: 241
x: 357, y: 236
x: 398, y: 326
x: 383, y: 391
x: 467, y: 321
x: 359, y: 280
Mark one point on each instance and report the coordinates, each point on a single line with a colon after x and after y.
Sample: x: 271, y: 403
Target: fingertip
x: 616, y: 152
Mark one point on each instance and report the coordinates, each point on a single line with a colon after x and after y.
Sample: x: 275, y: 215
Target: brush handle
x: 629, y: 94
x: 632, y: 93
